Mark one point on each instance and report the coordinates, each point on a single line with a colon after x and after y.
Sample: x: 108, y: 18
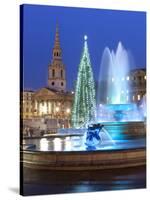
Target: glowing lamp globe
x: 85, y: 37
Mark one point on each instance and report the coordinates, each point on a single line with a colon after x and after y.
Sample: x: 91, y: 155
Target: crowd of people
x: 32, y: 132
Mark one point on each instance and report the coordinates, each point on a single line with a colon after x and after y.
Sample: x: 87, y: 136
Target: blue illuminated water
x: 114, y: 71
x: 77, y: 143
x: 113, y: 96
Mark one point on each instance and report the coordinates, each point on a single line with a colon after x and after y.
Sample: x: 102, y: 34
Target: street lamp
x: 57, y: 109
x: 68, y: 110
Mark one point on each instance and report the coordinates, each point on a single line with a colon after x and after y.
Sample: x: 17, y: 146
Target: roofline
x: 139, y: 69
x: 26, y: 90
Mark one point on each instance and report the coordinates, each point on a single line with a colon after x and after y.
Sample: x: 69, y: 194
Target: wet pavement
x: 38, y: 182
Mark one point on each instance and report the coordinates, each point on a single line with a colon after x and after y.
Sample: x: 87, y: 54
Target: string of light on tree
x: 84, y: 106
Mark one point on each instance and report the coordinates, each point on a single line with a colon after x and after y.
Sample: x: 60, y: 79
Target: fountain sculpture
x: 115, y: 109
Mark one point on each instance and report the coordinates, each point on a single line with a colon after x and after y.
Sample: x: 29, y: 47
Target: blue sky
x: 103, y: 27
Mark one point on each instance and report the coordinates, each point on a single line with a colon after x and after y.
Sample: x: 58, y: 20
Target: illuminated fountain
x: 115, y: 138
x: 143, y: 107
x: 115, y: 109
x: 118, y: 116
x: 114, y: 88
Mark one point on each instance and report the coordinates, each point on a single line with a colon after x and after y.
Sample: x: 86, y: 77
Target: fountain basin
x: 83, y: 160
x: 121, y: 107
x: 120, y: 111
x: 126, y: 130
x: 63, y: 152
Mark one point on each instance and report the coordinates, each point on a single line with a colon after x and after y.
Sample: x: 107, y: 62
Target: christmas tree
x: 84, y: 106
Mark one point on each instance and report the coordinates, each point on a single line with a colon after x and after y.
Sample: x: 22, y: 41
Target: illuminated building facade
x: 52, y: 103
x: 27, y: 104
x: 137, y: 80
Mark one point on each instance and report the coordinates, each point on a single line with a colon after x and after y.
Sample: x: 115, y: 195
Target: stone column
x: 35, y: 107
x: 38, y: 108
x: 47, y: 107
x: 52, y: 109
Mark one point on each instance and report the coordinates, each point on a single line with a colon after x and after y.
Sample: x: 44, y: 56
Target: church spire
x: 57, y: 41
x: 56, y: 70
x: 57, y: 50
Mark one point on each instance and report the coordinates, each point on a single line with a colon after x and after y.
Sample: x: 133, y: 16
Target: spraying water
x: 113, y: 76
x: 114, y: 88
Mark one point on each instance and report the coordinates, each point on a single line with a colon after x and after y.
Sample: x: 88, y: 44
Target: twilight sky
x: 103, y: 28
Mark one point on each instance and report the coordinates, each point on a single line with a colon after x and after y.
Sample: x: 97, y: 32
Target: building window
x: 133, y: 98
x: 53, y: 83
x: 62, y: 83
x: 139, y: 97
x: 61, y: 73
x: 53, y: 73
x: 140, y: 78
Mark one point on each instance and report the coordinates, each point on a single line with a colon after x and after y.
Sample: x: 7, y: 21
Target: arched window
x: 138, y: 97
x: 62, y: 83
x: 133, y: 98
x: 53, y: 83
x: 140, y: 78
x: 53, y: 73
x: 61, y: 73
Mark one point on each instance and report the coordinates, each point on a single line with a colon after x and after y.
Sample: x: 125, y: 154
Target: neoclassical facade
x: 53, y: 102
x: 137, y: 80
x: 26, y: 104
x: 137, y: 83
